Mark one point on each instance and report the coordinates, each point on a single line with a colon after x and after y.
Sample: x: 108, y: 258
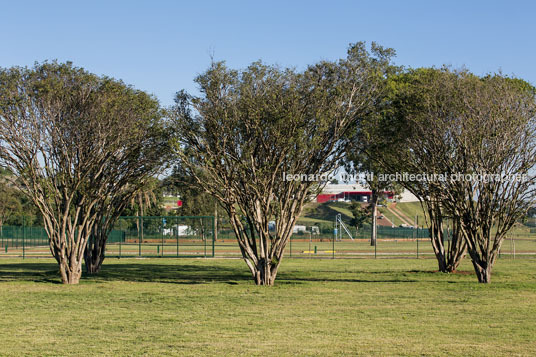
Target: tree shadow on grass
x: 37, y: 272
x: 170, y: 273
x: 375, y: 276
x: 348, y: 280
x: 178, y: 273
x: 159, y: 273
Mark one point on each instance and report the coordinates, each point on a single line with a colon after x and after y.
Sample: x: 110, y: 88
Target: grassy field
x: 300, y: 246
x: 315, y: 213
x: 318, y: 307
x: 412, y: 209
x: 324, y: 213
x: 390, y: 216
x: 397, y: 243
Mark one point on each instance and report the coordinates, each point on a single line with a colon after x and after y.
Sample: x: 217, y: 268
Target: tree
x: 195, y: 201
x: 372, y: 142
x: 363, y: 160
x: 143, y: 199
x: 9, y: 200
x: 80, y: 146
x: 481, y: 134
x: 360, y: 215
x: 399, y: 148
x: 250, y: 129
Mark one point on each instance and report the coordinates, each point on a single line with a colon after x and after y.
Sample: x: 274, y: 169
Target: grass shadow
x: 134, y: 272
x: 373, y: 276
x: 347, y: 280
x: 170, y: 273
x: 187, y: 273
x: 36, y: 272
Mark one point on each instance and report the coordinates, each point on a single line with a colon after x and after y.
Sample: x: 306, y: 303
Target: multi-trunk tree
x: 251, y: 131
x: 80, y: 146
x: 479, y: 133
x: 394, y: 145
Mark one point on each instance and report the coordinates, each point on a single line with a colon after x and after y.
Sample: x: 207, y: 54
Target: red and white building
x: 356, y: 192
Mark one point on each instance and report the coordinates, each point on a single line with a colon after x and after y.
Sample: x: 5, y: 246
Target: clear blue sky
x: 160, y: 46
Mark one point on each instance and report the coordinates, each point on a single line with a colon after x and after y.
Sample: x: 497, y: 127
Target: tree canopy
x: 250, y: 129
x: 477, y: 136
x: 80, y: 146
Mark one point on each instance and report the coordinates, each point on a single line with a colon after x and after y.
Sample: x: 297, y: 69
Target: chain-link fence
x: 395, y: 242
x: 168, y: 236
x: 175, y: 236
x: 162, y: 236
x: 23, y: 240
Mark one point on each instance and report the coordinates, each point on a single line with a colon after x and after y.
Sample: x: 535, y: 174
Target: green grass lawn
x: 412, y: 209
x: 318, y: 307
x: 394, y: 219
x: 315, y: 213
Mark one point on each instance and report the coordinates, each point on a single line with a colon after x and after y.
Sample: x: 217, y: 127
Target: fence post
x: 162, y: 233
x: 205, y: 242
x: 417, y: 247
x: 139, y: 235
x: 23, y: 239
x: 120, y: 242
x: 214, y: 232
x: 291, y: 246
x: 333, y: 249
x: 514, y: 245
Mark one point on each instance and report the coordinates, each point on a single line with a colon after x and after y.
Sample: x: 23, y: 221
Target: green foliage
x: 16, y: 208
x: 360, y: 214
x: 462, y: 124
x: 249, y: 128
x: 195, y: 201
x: 80, y: 146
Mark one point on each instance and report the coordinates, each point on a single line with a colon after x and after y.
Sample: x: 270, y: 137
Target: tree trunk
x: 454, y: 259
x: 70, y: 274
x: 265, y: 273
x: 448, y: 259
x: 374, y: 204
x: 94, y: 256
x: 261, y: 250
x: 441, y: 263
x: 94, y: 253
x: 457, y: 248
x: 436, y: 237
x: 94, y: 264
x: 481, y: 258
x: 483, y: 272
